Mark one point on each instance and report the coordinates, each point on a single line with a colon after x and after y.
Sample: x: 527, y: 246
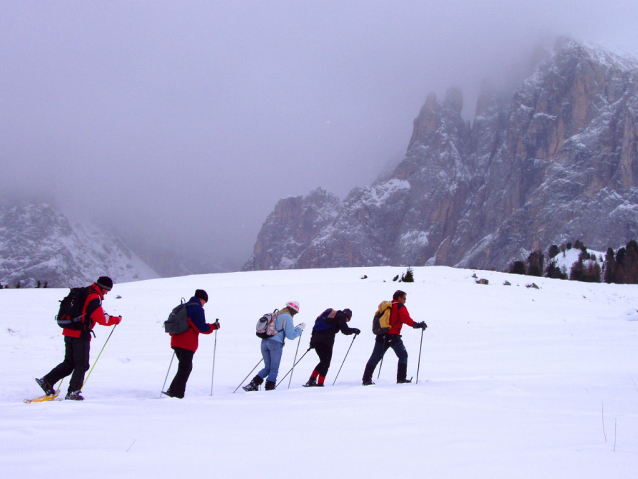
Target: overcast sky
x: 188, y: 120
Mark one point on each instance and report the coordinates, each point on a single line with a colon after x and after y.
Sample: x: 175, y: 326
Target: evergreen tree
x: 610, y: 266
x: 554, y: 271
x: 535, y: 263
x: 518, y: 267
x: 553, y: 251
x: 630, y: 263
x: 408, y: 277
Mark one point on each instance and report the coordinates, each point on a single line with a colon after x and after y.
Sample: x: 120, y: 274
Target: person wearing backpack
x: 186, y: 343
x: 272, y: 347
x: 326, y: 327
x: 77, y: 342
x: 392, y: 339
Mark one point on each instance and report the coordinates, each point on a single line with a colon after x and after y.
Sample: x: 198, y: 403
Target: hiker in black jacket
x: 327, y: 325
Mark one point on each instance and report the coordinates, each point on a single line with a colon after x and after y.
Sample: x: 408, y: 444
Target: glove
x: 115, y: 319
x: 216, y: 324
x: 302, y: 326
x: 356, y: 331
x: 420, y: 325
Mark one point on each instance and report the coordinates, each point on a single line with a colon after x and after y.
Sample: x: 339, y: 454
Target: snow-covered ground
x: 515, y: 382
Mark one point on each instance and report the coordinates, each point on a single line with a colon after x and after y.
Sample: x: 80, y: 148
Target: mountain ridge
x: 555, y: 163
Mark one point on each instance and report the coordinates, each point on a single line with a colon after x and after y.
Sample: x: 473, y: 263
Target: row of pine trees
x: 620, y: 267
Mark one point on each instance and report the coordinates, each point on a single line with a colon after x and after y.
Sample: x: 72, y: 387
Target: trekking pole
x: 286, y: 375
x: 98, y: 357
x: 251, y: 371
x: 384, y: 351
x: 344, y: 360
x: 167, y: 372
x: 419, y: 366
x: 214, y: 354
x: 292, y: 371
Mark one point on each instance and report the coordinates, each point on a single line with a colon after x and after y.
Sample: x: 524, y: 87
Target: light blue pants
x: 271, y: 350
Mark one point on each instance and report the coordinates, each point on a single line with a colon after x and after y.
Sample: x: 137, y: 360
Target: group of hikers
x: 77, y: 339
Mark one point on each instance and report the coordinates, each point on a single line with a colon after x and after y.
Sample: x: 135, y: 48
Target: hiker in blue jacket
x: 272, y: 348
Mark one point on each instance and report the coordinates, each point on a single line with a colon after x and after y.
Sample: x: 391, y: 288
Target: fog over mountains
x: 555, y: 162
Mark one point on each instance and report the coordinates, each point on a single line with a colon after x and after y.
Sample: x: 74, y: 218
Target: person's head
x: 348, y: 314
x: 400, y: 296
x: 105, y: 284
x: 292, y: 307
x: 202, y: 296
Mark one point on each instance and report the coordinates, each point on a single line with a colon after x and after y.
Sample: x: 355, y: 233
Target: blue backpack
x: 324, y: 321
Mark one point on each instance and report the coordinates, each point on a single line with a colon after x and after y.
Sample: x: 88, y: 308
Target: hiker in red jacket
x: 77, y: 342
x: 186, y: 344
x: 392, y: 339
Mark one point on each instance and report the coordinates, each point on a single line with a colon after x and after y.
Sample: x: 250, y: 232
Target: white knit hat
x: 293, y: 305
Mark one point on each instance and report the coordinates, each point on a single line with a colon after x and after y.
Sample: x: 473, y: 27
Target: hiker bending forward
x: 392, y: 339
x: 77, y: 343
x: 186, y: 344
x: 272, y: 348
x: 326, y: 327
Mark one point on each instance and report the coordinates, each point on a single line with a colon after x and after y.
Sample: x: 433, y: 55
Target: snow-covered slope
x: 514, y: 382
x: 38, y: 243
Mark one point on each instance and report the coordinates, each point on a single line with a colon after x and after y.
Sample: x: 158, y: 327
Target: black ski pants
x: 324, y: 351
x: 76, y: 361
x: 184, y: 368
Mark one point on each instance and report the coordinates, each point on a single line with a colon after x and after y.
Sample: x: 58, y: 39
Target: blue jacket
x: 289, y: 330
x: 197, y: 322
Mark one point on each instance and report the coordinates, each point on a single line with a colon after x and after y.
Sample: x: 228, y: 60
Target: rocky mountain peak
x: 555, y: 162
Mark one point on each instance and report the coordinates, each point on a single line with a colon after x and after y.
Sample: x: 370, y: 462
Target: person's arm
x: 404, y: 316
x: 342, y: 324
x: 197, y: 320
x: 95, y: 313
x: 290, y: 330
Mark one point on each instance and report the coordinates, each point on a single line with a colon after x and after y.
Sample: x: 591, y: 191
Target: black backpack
x: 70, y: 314
x: 177, y: 322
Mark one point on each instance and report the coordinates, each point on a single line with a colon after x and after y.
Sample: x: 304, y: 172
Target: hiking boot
x: 367, y: 375
x: 75, y: 396
x: 312, y: 382
x: 402, y: 370
x: 270, y: 385
x: 46, y: 387
x: 254, y: 384
x: 171, y: 395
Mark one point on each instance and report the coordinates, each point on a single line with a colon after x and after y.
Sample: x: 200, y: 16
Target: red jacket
x: 94, y: 314
x: 197, y: 322
x: 398, y: 317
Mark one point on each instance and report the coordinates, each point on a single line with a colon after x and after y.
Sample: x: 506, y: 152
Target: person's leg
x: 63, y: 369
x: 276, y: 350
x: 402, y: 353
x: 81, y: 348
x: 184, y: 368
x: 265, y: 353
x: 325, y: 355
x: 380, y: 347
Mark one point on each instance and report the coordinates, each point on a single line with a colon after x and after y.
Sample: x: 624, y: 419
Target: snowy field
x: 515, y: 382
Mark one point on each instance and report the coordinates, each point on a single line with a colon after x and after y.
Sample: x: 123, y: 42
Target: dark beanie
x: 105, y: 282
x: 201, y: 294
x: 348, y: 313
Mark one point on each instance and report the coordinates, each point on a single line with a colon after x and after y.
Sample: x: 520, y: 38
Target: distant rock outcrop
x: 556, y: 162
x: 39, y: 244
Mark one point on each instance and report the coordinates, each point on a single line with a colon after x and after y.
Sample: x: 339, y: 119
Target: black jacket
x: 339, y: 323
